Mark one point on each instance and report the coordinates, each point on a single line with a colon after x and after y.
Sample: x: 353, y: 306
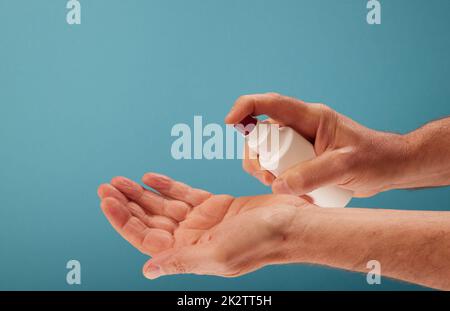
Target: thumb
x: 328, y: 168
x: 185, y: 260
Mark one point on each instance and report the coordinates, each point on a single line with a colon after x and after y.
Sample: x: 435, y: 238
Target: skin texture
x: 188, y: 230
x: 413, y: 246
x: 355, y: 157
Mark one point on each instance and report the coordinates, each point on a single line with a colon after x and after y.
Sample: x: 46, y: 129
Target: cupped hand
x: 348, y: 154
x: 189, y: 230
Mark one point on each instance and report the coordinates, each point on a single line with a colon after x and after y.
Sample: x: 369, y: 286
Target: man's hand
x: 188, y: 230
x: 349, y: 154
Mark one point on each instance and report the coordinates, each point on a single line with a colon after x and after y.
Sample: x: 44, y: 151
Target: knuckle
x: 325, y: 109
x: 244, y: 99
x: 325, y: 112
x: 299, y: 182
x: 320, y: 106
x: 273, y: 95
x: 347, y: 161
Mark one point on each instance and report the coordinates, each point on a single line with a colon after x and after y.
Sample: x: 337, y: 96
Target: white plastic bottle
x: 280, y: 150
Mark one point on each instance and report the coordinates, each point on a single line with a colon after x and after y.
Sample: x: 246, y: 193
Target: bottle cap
x: 246, y: 125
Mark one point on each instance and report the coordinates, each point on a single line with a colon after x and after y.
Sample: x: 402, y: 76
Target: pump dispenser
x: 280, y: 150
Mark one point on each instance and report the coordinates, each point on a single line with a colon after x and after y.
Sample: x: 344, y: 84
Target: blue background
x: 81, y: 104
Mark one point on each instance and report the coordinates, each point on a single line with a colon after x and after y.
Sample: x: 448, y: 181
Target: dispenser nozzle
x: 246, y: 125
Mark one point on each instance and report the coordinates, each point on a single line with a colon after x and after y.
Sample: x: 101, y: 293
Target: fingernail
x: 281, y: 186
x: 100, y: 191
x: 152, y: 271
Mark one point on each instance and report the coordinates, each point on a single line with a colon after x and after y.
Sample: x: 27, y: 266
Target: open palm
x: 177, y: 220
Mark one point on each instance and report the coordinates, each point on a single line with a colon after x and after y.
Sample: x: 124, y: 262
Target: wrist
x: 412, y: 166
x: 295, y: 246
x: 397, y: 160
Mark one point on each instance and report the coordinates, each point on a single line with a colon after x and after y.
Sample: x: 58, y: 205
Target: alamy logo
x: 374, y: 275
x: 374, y: 14
x: 73, y: 276
x: 73, y: 16
x: 209, y: 141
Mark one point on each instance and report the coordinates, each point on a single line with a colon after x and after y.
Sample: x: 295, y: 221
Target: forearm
x: 412, y: 246
x: 428, y: 160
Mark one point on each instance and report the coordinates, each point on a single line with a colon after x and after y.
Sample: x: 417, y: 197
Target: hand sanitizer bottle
x: 280, y: 148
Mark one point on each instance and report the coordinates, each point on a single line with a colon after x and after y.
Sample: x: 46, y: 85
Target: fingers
x: 196, y: 259
x: 329, y: 168
x: 106, y: 190
x: 207, y: 215
x: 250, y: 164
x: 152, y: 202
x: 175, y: 189
x: 147, y: 240
x: 115, y: 212
x: 304, y: 118
x: 153, y: 221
